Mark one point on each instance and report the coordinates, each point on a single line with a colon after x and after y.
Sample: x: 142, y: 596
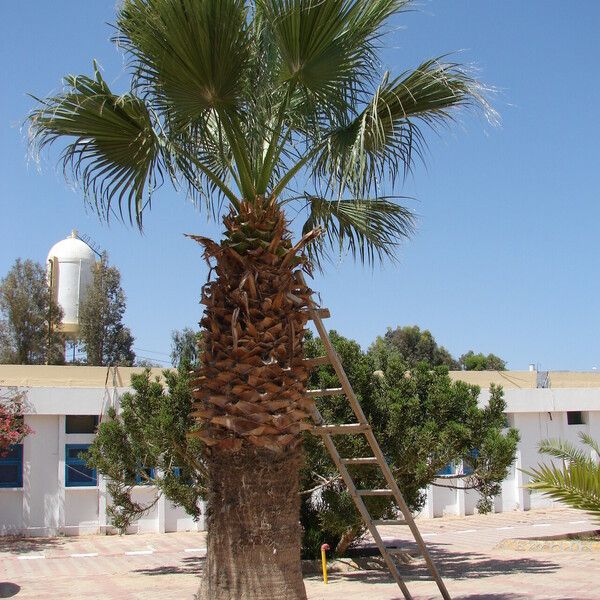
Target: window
x: 575, y: 417
x: 81, y: 423
x: 469, y: 460
x: 77, y: 473
x: 11, y: 467
x: 141, y: 480
x: 447, y: 470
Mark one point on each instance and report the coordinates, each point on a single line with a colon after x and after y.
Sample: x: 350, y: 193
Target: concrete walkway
x: 153, y: 567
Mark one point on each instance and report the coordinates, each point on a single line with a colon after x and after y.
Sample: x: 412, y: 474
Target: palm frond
x: 190, y: 56
x: 116, y: 152
x: 367, y: 228
x: 383, y: 139
x: 326, y: 47
x: 563, y: 450
x: 588, y: 440
x: 203, y: 149
x: 577, y: 485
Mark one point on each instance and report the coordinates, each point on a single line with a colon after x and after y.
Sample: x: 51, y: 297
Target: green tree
x: 480, y: 362
x: 575, y: 480
x: 241, y: 102
x: 186, y: 347
x: 415, y: 346
x: 146, y: 442
x: 103, y: 335
x: 422, y: 420
x: 29, y: 317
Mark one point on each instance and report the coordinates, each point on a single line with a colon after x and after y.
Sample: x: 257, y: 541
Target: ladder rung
x: 390, y: 522
x: 315, y: 362
x: 365, y: 460
x: 348, y: 428
x: 375, y: 492
x: 323, y: 313
x: 325, y: 392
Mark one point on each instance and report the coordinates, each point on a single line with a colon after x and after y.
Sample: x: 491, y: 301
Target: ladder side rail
x: 393, y: 486
x: 358, y: 501
x: 336, y: 363
x: 389, y: 477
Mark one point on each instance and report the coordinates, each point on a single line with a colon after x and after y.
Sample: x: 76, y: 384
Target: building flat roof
x: 528, y: 379
x: 97, y: 377
x: 68, y: 376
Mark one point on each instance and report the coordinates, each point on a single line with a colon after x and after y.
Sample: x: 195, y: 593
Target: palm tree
x: 576, y: 481
x: 239, y: 102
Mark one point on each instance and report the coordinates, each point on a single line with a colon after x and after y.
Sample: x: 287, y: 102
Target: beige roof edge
x: 95, y: 377
x: 69, y: 376
x: 528, y: 379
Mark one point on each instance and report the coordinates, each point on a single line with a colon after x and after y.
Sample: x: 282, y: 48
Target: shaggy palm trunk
x: 252, y: 408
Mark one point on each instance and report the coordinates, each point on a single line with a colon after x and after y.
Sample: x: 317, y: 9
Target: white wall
x: 533, y: 428
x: 44, y: 505
x: 42, y: 501
x: 11, y: 511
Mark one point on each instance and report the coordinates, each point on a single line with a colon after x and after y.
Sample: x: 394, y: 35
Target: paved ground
x: 152, y: 567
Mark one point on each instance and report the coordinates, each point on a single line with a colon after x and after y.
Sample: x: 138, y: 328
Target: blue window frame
x: 11, y: 467
x: 447, y: 470
x: 468, y: 463
x: 77, y: 473
x: 139, y: 480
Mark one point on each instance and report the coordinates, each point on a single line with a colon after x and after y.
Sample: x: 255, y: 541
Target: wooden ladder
x: 362, y: 427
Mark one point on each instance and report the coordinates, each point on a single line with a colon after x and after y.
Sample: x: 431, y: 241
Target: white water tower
x: 70, y: 270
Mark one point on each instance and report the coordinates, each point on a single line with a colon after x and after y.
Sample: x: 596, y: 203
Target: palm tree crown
x: 235, y: 100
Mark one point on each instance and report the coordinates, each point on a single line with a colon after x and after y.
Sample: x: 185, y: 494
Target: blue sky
x: 505, y: 258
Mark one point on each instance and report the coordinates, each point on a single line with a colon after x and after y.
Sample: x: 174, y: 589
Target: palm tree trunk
x: 254, y: 534
x: 251, y: 407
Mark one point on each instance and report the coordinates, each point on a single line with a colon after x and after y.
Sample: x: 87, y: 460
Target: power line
x: 152, y: 351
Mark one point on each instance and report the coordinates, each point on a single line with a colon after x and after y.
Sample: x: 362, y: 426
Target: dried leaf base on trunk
x: 253, y: 528
x: 251, y: 406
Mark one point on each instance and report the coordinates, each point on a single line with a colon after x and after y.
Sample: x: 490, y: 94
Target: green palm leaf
x: 116, y: 152
x: 327, y: 52
x: 576, y: 482
x: 575, y: 485
x: 368, y: 229
x: 382, y: 140
x: 191, y: 55
x: 238, y: 99
x: 564, y: 450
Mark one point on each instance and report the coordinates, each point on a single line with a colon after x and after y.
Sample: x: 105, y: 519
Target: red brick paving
x: 464, y: 549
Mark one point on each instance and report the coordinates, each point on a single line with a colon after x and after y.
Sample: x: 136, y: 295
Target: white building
x: 44, y: 490
x: 541, y: 405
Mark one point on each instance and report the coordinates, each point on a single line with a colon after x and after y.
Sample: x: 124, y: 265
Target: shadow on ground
x: 457, y: 565
x: 190, y: 565
x: 501, y: 596
x: 25, y: 545
x: 8, y: 590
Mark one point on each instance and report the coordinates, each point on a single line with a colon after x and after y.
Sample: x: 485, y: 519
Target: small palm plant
x: 243, y: 103
x: 576, y: 480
